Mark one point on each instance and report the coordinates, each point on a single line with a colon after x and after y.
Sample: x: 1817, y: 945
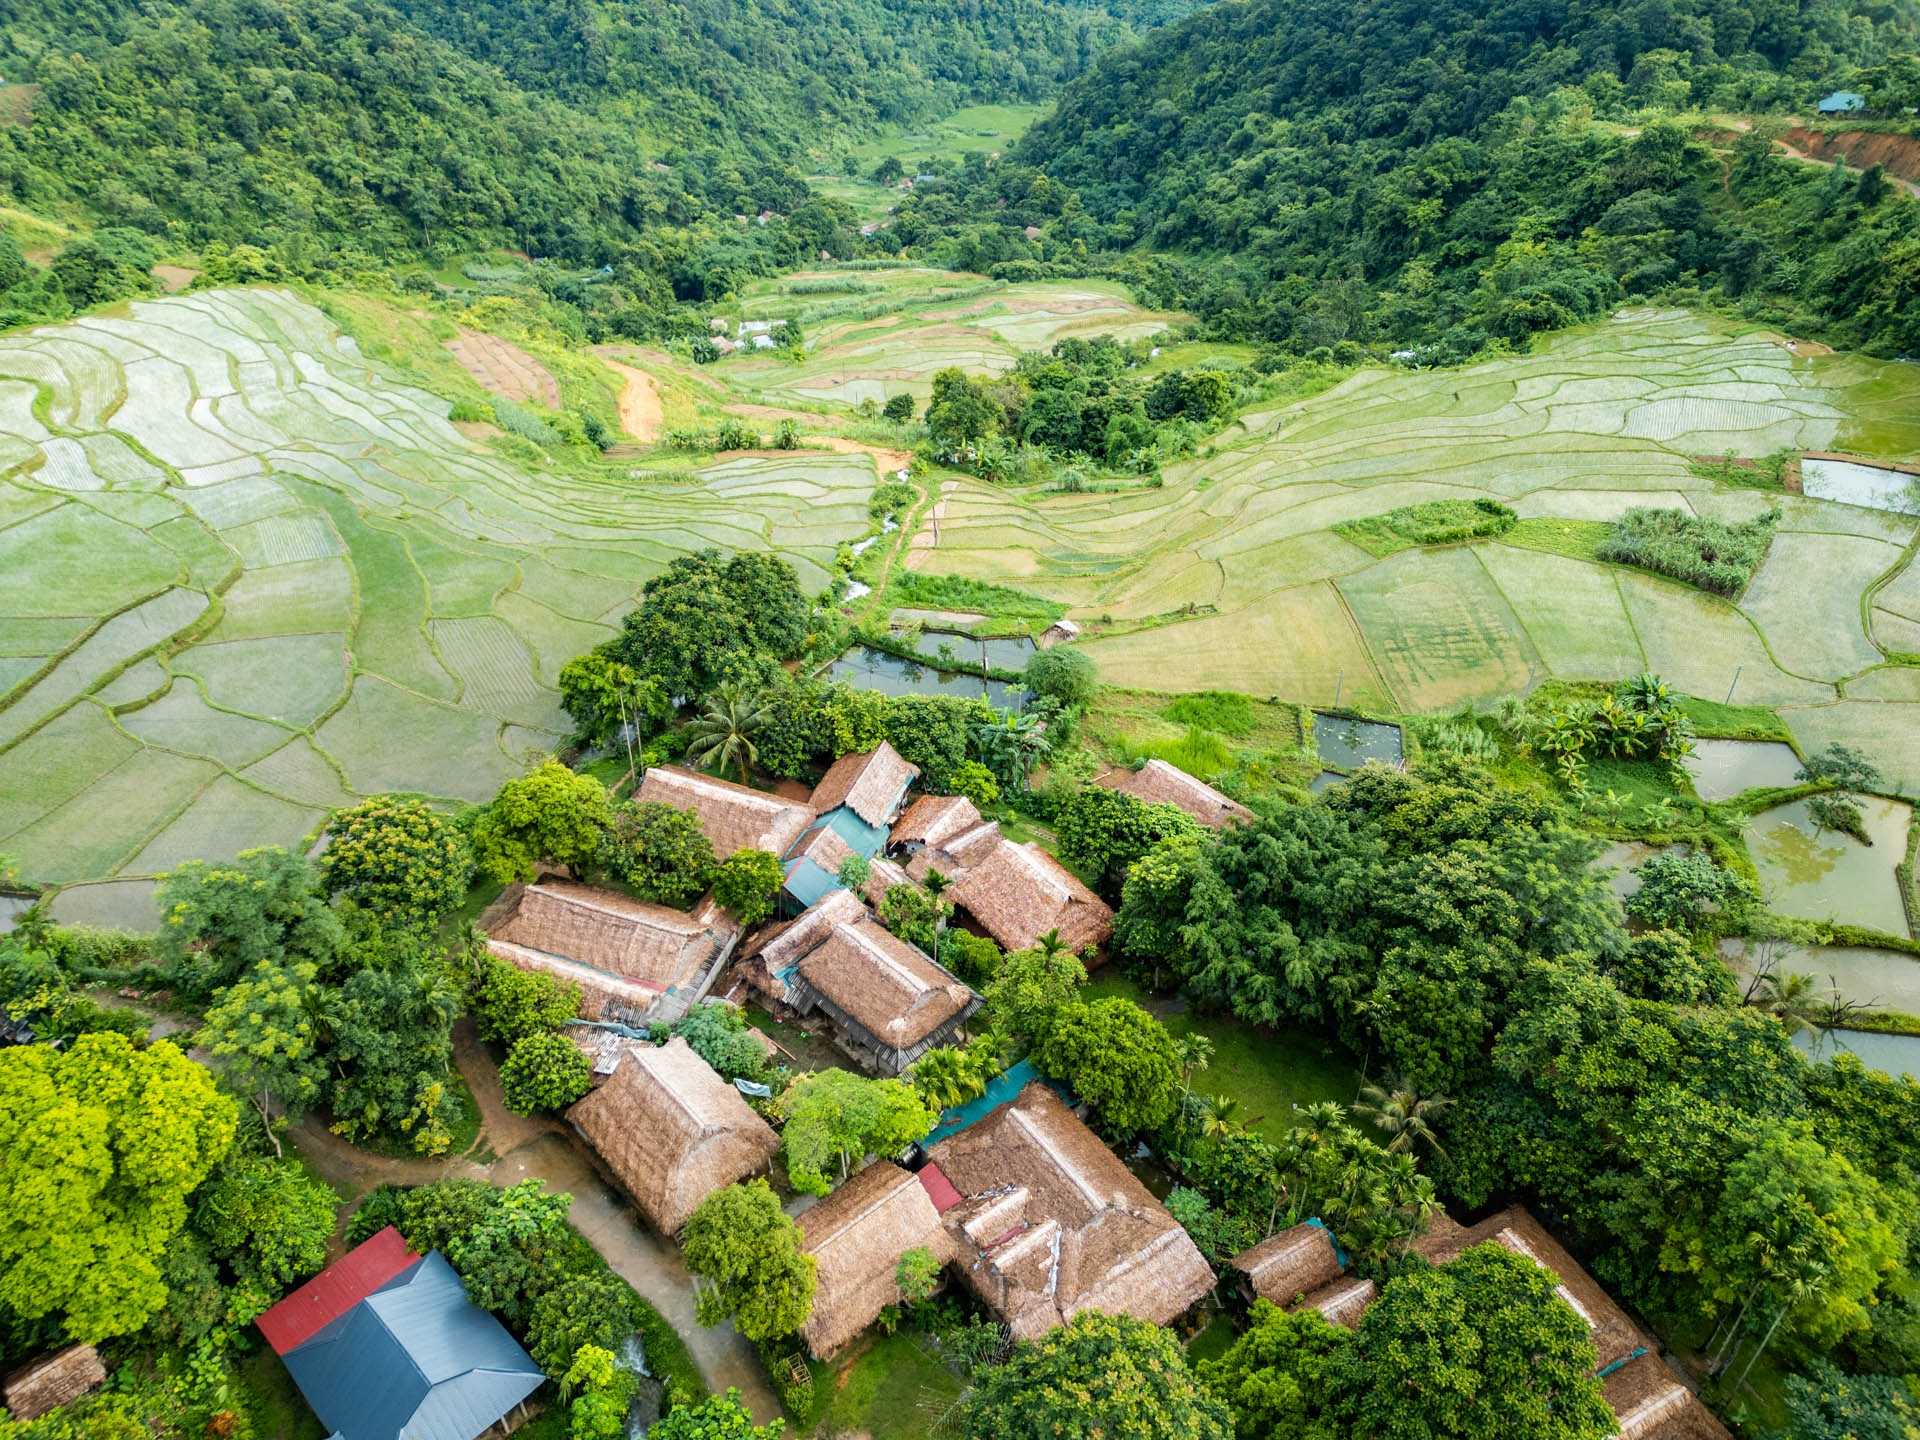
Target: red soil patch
x: 174, y: 278
x: 641, y: 414
x: 1899, y: 155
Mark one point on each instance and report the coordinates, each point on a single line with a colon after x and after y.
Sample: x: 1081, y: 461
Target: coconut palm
x: 1223, y: 1115
x: 1406, y: 1118
x: 1195, y: 1052
x: 720, y: 737
x: 1793, y: 999
x: 948, y: 1077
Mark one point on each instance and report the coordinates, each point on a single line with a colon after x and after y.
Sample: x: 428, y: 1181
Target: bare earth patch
x: 641, y: 415
x: 174, y: 278
x: 504, y: 368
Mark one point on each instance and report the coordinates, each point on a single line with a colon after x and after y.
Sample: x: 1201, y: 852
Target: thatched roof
x: 1615, y: 1337
x: 782, y: 946
x: 883, y: 984
x: 43, y: 1385
x: 1158, y: 783
x: 933, y: 820
x: 1019, y: 892
x: 672, y: 1131
x: 872, y: 785
x: 825, y: 847
x: 1284, y: 1267
x: 882, y: 875
x: 1054, y: 1223
x: 1342, y: 1301
x: 602, y: 996
x: 621, y: 937
x: 1652, y: 1405
x: 733, y: 816
x: 857, y: 1236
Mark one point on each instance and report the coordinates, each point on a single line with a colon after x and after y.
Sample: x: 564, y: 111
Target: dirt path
x: 1795, y: 152
x: 543, y: 1149
x: 888, y: 460
x: 641, y: 414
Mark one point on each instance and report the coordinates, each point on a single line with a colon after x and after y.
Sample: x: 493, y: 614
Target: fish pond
x: 1895, y: 1054
x: 1722, y: 769
x: 1345, y: 743
x: 870, y: 669
x: 1828, y: 876
x: 950, y: 648
x: 1878, y: 979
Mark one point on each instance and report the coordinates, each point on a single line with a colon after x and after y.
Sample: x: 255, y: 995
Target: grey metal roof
x: 415, y: 1360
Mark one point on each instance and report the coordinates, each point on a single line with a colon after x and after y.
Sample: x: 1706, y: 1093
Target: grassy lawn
x: 1734, y: 722
x: 1205, y: 734
x: 892, y: 1388
x: 1269, y: 1071
x: 1213, y: 1340
x: 1576, y: 539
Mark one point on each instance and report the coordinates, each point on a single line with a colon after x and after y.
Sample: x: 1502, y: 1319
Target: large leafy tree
x: 660, y: 852
x: 746, y: 884
x: 1481, y: 1348
x: 1276, y: 1378
x: 551, y: 813
x: 388, y: 1031
x: 268, y: 1219
x: 544, y: 1071
x: 702, y: 617
x: 509, y: 1003
x: 1099, y: 1377
x: 265, y: 1029
x: 747, y: 1253
x: 834, y: 1117
x: 399, y: 861
x: 219, y: 921
x: 103, y: 1144
x: 604, y: 695
x: 1103, y: 832
x: 1119, y: 1059
x: 1032, y: 989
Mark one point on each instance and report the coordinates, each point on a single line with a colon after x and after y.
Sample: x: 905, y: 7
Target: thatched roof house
x: 933, y: 820
x: 625, y: 955
x: 857, y: 1236
x: 671, y: 1130
x: 889, y: 1003
x: 873, y: 785
x: 1017, y: 893
x: 1290, y: 1265
x: 1051, y: 1222
x: 43, y: 1385
x: 1650, y: 1403
x: 733, y: 816
x: 1158, y: 783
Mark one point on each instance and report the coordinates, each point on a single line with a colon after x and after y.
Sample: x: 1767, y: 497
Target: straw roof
x: 857, y: 1236
x: 1054, y: 1223
x: 1615, y: 1337
x: 672, y: 1131
x: 882, y: 875
x: 1158, y: 783
x: 1652, y: 1405
x: 733, y: 816
x: 1284, y: 1267
x: 872, y: 785
x: 825, y: 846
x: 602, y: 996
x: 620, y: 937
x: 43, y: 1385
x: 885, y: 985
x: 933, y: 820
x: 783, y: 945
x: 1343, y: 1301
x: 1019, y: 892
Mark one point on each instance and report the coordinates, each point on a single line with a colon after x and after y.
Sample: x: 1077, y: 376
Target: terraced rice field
x: 1231, y: 575
x: 246, y: 576
x: 856, y: 354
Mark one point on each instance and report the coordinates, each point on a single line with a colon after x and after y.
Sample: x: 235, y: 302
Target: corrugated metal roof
x: 939, y: 1188
x: 807, y: 883
x: 416, y: 1360
x: 335, y: 1290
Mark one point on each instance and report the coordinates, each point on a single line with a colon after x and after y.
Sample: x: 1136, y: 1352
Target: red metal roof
x: 939, y: 1188
x: 335, y: 1290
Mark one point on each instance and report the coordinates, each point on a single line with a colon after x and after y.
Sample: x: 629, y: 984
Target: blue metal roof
x: 807, y: 883
x: 415, y: 1360
x: 1001, y: 1090
x: 1842, y: 100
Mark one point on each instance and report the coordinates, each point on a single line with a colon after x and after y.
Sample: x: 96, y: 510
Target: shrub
x: 719, y: 1034
x: 659, y: 852
x: 1225, y: 711
x: 746, y: 883
x: 974, y: 781
x: 899, y: 408
x: 593, y: 1308
x: 1682, y: 891
x: 1120, y: 1059
x: 1102, y: 832
x: 509, y: 1003
x: 1434, y: 522
x: 543, y: 1071
x: 1711, y: 554
x: 1066, y: 675
x: 747, y: 1249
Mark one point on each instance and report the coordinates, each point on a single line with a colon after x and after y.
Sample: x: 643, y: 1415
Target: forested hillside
x: 562, y: 127
x: 1413, y: 174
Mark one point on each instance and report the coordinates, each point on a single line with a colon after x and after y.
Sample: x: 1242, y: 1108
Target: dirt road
x: 641, y: 414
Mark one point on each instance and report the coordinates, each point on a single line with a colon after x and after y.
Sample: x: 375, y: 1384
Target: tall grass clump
x: 1711, y: 554
x: 1224, y: 711
x: 1436, y: 522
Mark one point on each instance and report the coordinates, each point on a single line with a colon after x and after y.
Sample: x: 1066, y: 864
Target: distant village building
x: 385, y: 1345
x: 1015, y: 893
x: 1158, y: 783
x: 763, y: 342
x: 1302, y: 1268
x: 1058, y: 633
x: 1843, y: 102
x: 671, y: 1130
x: 1032, y: 232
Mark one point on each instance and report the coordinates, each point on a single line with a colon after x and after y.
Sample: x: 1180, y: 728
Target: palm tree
x: 1222, y: 1115
x: 721, y: 736
x: 1792, y: 999
x: 1011, y: 745
x: 1051, y: 946
x: 1404, y: 1116
x: 947, y: 1077
x: 1195, y: 1052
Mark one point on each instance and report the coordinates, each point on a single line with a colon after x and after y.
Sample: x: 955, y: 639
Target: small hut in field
x: 1158, y: 783
x: 671, y: 1130
x: 47, y: 1384
x: 857, y: 1236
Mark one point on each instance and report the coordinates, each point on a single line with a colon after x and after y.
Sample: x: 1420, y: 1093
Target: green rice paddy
x: 1235, y: 574
x: 247, y: 575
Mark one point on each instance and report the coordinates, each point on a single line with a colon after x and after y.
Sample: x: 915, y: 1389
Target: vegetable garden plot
x: 283, y: 540
x: 495, y: 670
